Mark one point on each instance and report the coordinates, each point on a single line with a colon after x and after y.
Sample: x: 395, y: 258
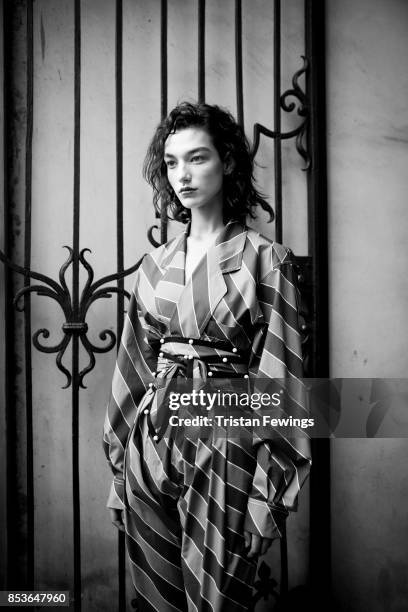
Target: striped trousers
x: 186, y: 497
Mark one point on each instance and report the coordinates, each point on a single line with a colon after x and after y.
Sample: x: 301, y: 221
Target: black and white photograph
x: 203, y: 297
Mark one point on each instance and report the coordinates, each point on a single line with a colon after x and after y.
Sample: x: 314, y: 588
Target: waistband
x: 217, y: 358
x: 187, y: 358
x: 198, y: 342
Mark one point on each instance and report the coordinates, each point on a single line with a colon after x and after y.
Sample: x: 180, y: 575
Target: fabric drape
x: 188, y: 499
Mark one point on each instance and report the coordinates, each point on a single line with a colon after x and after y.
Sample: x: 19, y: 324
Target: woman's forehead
x: 187, y: 139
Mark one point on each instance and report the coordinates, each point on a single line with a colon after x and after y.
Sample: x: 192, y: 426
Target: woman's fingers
x: 117, y: 518
x: 256, y: 544
x: 266, y: 542
x: 247, y: 538
x: 119, y: 525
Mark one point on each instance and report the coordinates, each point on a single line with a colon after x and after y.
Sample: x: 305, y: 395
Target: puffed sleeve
x: 133, y: 371
x: 282, y: 463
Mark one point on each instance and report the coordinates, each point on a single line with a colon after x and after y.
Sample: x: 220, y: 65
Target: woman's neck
x: 204, y: 225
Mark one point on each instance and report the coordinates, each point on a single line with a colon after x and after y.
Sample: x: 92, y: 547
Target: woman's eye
x: 197, y: 158
x: 170, y: 163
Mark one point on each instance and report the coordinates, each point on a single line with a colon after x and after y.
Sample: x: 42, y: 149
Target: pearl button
x: 161, y: 340
x: 160, y: 354
x: 191, y: 341
x: 281, y: 392
x: 224, y: 359
x: 191, y: 356
x: 155, y: 438
x: 245, y: 375
x: 210, y: 373
x: 150, y: 384
x: 234, y: 350
x: 146, y: 411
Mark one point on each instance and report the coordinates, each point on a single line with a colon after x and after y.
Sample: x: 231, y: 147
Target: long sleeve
x: 134, y: 370
x: 282, y: 463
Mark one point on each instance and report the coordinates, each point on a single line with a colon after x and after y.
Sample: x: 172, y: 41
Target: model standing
x: 218, y: 301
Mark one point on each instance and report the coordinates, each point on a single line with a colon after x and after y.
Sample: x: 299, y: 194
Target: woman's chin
x: 192, y: 205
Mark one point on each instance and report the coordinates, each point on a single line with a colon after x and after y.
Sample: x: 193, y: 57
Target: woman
x: 217, y: 301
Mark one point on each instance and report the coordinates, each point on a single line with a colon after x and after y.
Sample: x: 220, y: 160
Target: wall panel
x: 52, y: 188
x: 141, y: 113
x: 368, y: 224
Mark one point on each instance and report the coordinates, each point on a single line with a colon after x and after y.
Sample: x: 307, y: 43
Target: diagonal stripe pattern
x: 188, y: 495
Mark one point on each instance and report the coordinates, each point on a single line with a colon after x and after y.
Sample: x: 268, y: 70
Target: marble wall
x: 367, y: 52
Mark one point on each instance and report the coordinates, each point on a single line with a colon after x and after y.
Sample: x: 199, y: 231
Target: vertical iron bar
x: 320, y: 549
x: 201, y: 50
x: 164, y: 102
x: 4, y: 558
x: 11, y: 467
x: 163, y: 50
x: 75, y: 304
x: 27, y: 302
x: 238, y: 61
x: 277, y: 119
x: 277, y: 144
x: 119, y: 242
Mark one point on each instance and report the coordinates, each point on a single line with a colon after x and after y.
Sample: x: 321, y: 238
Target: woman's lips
x: 189, y: 191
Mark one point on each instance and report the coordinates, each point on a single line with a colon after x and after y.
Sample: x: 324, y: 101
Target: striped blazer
x: 242, y: 291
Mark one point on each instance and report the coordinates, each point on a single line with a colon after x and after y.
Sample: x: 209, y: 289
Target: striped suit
x: 188, y: 496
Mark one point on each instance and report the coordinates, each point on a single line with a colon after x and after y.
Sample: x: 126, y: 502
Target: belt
x: 196, y: 360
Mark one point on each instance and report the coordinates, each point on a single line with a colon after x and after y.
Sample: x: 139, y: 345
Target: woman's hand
x: 117, y: 518
x: 256, y: 544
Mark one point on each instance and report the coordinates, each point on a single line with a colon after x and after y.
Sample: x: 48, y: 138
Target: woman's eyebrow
x: 191, y: 152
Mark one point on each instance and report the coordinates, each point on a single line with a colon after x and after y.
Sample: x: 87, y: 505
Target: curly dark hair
x: 240, y: 194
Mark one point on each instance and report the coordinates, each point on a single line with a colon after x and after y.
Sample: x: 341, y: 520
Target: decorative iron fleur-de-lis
x: 265, y: 586
x: 302, y: 110
x: 75, y: 319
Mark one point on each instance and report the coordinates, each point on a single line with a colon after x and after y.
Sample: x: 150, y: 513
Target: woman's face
x: 194, y: 168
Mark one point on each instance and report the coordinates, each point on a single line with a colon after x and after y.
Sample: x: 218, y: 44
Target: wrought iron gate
x: 76, y: 299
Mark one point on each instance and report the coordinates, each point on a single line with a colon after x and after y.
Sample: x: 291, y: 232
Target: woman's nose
x: 185, y: 175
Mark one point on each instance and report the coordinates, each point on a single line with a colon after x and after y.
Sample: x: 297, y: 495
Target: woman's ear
x: 229, y: 164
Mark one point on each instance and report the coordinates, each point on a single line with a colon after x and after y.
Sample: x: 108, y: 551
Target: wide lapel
x: 171, y: 284
x: 201, y: 295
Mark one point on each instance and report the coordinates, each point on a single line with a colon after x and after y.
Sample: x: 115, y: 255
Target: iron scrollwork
x: 75, y: 318
x: 150, y: 236
x: 302, y: 106
x: 305, y: 285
